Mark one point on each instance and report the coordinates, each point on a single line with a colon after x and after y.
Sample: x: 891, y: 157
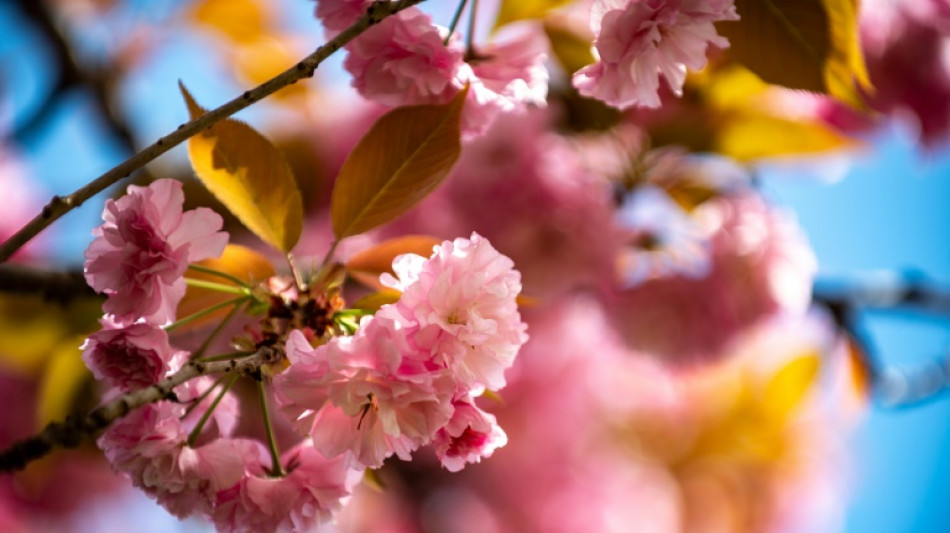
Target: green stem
x: 203, y: 395
x: 193, y: 436
x: 204, y: 312
x: 217, y: 329
x: 455, y: 21
x: 220, y: 287
x: 470, y: 38
x: 277, y: 469
x: 212, y: 272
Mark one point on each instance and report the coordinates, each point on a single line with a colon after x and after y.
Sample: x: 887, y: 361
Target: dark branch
x: 75, y: 429
x: 60, y: 287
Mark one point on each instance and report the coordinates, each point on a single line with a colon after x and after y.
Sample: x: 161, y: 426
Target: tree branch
x: 70, y: 433
x: 52, y: 285
x: 60, y: 205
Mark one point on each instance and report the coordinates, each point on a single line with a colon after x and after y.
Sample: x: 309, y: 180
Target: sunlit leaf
x: 728, y: 110
x: 513, y: 10
x: 31, y: 328
x: 402, y: 158
x: 572, y: 51
x: 753, y: 136
x: 249, y: 176
x: 261, y: 60
x: 785, y: 392
x: 238, y: 261
x: 379, y: 258
x: 802, y: 44
x: 63, y: 378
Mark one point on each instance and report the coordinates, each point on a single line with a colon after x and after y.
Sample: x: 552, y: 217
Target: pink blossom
x: 149, y: 445
x: 311, y: 494
x: 640, y: 40
x: 402, y: 61
x: 337, y: 15
x: 506, y: 76
x: 907, y: 48
x: 353, y: 396
x: 462, y: 309
x: 143, y: 248
x: 760, y: 264
x: 470, y: 435
x: 131, y: 357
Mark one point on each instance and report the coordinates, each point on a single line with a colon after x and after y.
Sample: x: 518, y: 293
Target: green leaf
x: 514, y: 10
x: 373, y: 301
x: 802, y: 44
x: 249, y: 176
x: 402, y: 158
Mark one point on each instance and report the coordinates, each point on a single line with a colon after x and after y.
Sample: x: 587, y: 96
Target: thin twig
x: 71, y: 432
x: 60, y: 205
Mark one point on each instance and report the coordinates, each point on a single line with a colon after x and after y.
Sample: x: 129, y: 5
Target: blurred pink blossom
x: 640, y: 40
x: 760, y: 264
x: 132, y: 357
x: 144, y: 246
x: 309, y: 495
x: 337, y: 15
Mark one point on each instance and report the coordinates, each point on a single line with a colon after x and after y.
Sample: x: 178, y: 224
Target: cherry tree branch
x: 69, y: 433
x: 52, y: 285
x: 60, y: 205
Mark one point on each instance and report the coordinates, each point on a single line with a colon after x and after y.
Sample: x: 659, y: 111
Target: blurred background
x: 85, y: 83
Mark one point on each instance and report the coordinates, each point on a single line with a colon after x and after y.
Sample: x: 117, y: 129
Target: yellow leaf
x: 375, y: 300
x: 238, y: 261
x: 513, y: 10
x: 62, y: 381
x: 802, y: 44
x: 748, y: 136
x: 249, y: 176
x: 239, y: 20
x: 573, y: 51
x: 402, y: 158
x: 786, y: 390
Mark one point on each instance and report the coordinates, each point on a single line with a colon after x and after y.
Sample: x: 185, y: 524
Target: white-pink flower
x: 354, y: 395
x: 131, y: 357
x: 337, y: 15
x: 461, y: 309
x: 470, y: 435
x: 637, y: 41
x: 144, y: 246
x: 150, y: 446
x: 402, y: 61
x: 311, y: 494
x: 506, y: 76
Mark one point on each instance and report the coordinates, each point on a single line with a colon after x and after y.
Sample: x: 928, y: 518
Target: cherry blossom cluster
x: 407, y: 59
x: 411, y: 373
x: 408, y: 376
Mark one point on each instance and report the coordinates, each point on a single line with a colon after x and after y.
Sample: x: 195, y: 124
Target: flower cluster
x: 407, y: 60
x: 638, y: 41
x: 406, y: 377
x: 411, y: 373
